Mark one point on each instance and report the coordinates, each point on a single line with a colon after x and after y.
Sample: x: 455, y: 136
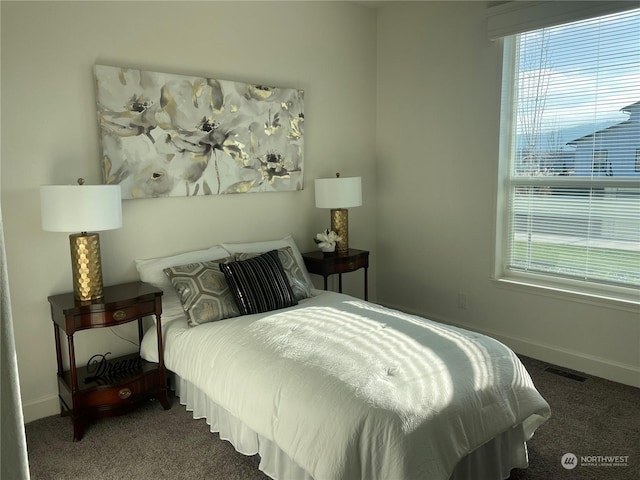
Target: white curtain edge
x: 14, y: 463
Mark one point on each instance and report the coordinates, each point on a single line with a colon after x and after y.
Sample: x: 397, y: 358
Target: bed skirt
x: 492, y: 461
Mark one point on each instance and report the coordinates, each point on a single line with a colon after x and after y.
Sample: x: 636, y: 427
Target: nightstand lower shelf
x: 110, y: 395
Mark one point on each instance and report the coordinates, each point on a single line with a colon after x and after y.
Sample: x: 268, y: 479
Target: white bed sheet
x: 343, y: 388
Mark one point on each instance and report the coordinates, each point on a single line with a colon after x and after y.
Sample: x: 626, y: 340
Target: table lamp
x: 339, y: 194
x: 83, y: 208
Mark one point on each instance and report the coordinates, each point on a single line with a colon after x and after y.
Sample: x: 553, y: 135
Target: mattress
x: 337, y: 388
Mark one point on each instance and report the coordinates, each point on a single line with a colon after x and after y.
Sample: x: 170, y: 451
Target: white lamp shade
x: 80, y: 208
x: 338, y: 192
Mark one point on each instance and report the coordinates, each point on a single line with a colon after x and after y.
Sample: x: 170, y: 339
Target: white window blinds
x: 571, y: 150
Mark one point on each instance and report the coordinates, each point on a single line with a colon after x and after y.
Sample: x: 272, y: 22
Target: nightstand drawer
x: 350, y: 264
x: 113, y: 317
x: 107, y: 397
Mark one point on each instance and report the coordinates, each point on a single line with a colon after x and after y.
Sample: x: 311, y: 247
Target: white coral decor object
x: 327, y: 240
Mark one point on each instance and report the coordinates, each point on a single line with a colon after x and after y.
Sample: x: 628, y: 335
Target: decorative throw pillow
x: 295, y: 275
x: 259, y: 284
x: 268, y: 245
x: 151, y: 270
x: 203, y: 291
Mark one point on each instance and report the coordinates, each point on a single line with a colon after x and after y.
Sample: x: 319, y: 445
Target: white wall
x: 438, y: 98
x: 50, y: 135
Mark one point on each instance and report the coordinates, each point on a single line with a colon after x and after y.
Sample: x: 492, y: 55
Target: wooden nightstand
x: 87, y: 393
x: 326, y: 264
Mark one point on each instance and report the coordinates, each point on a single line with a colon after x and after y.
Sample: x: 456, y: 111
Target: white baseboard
x: 574, y: 360
x: 579, y: 361
x: 40, y: 408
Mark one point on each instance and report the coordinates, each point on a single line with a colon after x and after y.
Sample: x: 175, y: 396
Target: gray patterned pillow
x: 297, y: 280
x: 203, y: 291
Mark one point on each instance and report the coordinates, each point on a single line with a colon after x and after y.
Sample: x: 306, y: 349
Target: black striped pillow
x: 259, y: 284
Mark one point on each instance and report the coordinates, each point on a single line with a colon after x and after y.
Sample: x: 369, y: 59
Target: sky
x: 590, y: 72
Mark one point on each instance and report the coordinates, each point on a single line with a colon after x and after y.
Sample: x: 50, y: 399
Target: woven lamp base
x: 86, y: 266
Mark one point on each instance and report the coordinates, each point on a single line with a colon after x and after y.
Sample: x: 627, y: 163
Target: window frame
x: 556, y: 286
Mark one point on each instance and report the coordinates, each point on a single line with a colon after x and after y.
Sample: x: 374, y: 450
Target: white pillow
x: 171, y: 308
x: 265, y: 246
x: 151, y: 269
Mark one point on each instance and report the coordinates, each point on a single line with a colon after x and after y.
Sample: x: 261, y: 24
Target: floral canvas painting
x: 175, y: 135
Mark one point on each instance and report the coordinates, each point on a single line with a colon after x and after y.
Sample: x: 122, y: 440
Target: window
x: 601, y: 165
x: 569, y: 190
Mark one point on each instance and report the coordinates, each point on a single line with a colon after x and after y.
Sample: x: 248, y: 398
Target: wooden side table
x: 326, y: 264
x: 117, y: 385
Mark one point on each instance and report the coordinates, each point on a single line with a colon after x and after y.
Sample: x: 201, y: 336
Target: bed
x: 334, y: 387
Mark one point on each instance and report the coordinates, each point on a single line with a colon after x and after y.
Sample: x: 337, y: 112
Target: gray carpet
x: 590, y: 418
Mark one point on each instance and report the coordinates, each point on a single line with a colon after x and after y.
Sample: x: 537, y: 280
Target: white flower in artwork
x: 327, y: 240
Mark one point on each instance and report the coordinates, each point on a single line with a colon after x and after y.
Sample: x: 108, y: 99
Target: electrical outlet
x: 462, y: 301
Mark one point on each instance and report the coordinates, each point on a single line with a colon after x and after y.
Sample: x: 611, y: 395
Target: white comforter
x: 349, y: 389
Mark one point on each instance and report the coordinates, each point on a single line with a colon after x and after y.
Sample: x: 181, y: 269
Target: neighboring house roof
x: 632, y: 110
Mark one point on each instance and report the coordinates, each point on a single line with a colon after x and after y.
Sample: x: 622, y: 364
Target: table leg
x: 140, y: 332
x: 72, y: 368
x: 162, y: 372
x: 56, y: 331
x: 366, y: 283
x: 76, y: 416
x: 78, y: 427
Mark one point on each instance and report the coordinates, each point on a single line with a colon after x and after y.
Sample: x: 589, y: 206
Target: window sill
x: 572, y: 294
